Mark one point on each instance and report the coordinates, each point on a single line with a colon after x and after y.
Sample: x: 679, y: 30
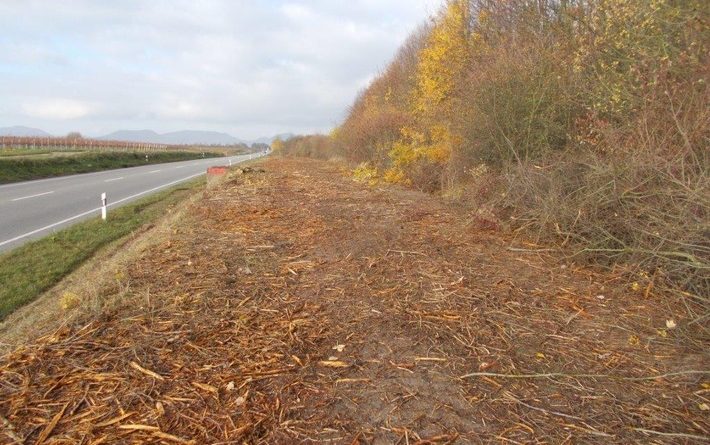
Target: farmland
x: 24, y: 159
x: 29, y: 145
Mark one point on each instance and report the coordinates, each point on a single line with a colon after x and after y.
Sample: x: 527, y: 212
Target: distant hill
x: 200, y: 137
x: 175, y: 137
x: 269, y: 140
x: 188, y: 137
x: 185, y: 137
x: 133, y: 136
x: 19, y: 130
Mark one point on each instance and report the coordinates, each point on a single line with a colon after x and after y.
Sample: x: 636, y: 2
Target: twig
x: 145, y: 371
x: 518, y: 249
x: 405, y: 252
x: 581, y: 376
x: 683, y: 435
x: 566, y: 416
x: 670, y: 374
x: 531, y: 376
x: 47, y: 431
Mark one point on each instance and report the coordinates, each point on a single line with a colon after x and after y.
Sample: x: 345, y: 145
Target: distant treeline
x: 579, y: 122
x: 86, y: 144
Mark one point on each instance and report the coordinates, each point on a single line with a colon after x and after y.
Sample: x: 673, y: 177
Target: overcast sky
x: 249, y: 68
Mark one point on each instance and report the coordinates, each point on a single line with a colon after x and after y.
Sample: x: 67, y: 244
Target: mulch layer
x: 296, y: 305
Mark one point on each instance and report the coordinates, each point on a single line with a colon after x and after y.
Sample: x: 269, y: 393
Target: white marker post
x: 103, y: 206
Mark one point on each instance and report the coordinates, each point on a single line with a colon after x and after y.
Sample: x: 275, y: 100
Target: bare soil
x: 296, y: 305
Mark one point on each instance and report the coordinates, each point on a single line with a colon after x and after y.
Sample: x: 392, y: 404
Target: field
x: 30, y: 144
x: 298, y: 305
x: 13, y: 152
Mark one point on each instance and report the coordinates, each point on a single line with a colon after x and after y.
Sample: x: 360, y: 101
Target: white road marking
x: 33, y: 196
x: 25, y: 235
x: 114, y: 179
x: 97, y: 209
x: 154, y: 171
x: 153, y: 189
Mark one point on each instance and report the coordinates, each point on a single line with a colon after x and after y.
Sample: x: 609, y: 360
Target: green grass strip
x: 31, y: 269
x: 27, y: 169
x: 22, y: 152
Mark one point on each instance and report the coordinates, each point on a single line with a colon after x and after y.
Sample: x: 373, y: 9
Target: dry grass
x: 640, y: 197
x: 98, y: 284
x: 299, y: 306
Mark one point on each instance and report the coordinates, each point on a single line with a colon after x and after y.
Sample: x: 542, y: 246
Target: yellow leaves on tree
x: 277, y: 146
x: 432, y: 147
x: 443, y: 61
x: 442, y: 64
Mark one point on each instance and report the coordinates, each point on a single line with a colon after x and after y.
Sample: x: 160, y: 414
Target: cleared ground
x: 299, y: 306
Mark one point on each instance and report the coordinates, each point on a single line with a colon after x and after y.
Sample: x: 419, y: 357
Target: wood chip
x: 114, y: 420
x: 205, y: 387
x: 145, y: 371
x: 334, y: 364
x: 138, y: 427
x: 47, y: 431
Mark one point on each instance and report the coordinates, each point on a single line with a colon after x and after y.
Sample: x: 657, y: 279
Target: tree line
x: 579, y: 122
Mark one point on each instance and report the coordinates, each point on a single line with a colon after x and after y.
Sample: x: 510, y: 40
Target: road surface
x: 33, y: 209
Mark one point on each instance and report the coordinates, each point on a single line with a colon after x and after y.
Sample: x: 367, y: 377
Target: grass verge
x: 22, y: 152
x: 27, y: 169
x: 31, y: 269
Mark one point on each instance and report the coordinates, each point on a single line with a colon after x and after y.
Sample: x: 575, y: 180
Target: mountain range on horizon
x: 183, y: 137
x: 21, y: 131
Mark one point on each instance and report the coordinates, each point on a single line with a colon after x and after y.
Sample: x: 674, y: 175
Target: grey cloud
x: 244, y: 67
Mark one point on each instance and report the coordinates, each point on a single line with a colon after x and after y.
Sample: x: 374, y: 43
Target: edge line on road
x: 97, y: 209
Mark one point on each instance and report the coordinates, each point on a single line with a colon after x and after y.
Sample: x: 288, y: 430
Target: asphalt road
x: 34, y: 209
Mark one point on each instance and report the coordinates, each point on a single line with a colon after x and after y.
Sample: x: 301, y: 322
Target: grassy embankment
x: 13, y: 169
x: 33, y: 268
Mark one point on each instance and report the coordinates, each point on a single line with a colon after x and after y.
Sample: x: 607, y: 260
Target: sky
x: 249, y: 68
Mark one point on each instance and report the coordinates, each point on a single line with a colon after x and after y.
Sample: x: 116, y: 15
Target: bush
x: 588, y: 118
x: 314, y: 146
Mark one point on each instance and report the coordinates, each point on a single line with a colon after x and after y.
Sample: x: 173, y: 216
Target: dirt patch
x: 296, y: 305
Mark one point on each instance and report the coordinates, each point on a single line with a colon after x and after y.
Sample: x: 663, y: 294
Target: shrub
x: 584, y: 122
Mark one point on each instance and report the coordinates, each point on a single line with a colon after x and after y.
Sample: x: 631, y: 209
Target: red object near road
x: 217, y: 171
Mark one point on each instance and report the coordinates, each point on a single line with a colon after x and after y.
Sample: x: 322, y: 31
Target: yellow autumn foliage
x: 443, y: 61
x: 442, y: 64
x: 366, y: 173
x: 277, y: 146
x: 574, y: 117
